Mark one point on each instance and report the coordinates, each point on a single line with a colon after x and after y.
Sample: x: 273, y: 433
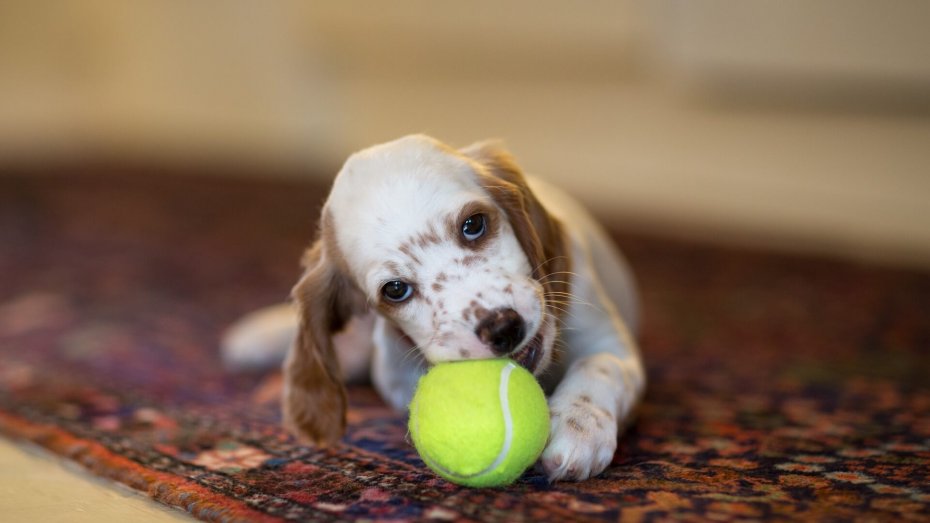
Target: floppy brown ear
x: 314, y: 395
x: 539, y: 233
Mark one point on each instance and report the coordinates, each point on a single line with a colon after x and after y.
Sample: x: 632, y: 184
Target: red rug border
x: 168, y: 489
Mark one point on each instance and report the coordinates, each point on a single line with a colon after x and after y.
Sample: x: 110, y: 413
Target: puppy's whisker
x: 410, y: 354
x: 560, y: 281
x: 568, y: 303
x: 560, y: 306
x: 557, y: 295
x: 564, y: 312
x: 557, y: 301
x: 554, y: 273
x: 416, y: 350
x: 572, y: 298
x: 560, y: 298
x: 553, y: 258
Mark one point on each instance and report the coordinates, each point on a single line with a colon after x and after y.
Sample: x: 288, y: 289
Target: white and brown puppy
x: 427, y: 254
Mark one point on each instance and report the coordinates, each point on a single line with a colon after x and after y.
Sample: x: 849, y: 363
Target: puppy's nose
x: 502, y: 330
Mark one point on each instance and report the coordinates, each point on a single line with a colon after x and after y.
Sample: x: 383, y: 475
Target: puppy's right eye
x: 473, y: 227
x: 396, y: 291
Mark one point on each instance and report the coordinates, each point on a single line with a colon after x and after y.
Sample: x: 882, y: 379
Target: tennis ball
x: 479, y: 423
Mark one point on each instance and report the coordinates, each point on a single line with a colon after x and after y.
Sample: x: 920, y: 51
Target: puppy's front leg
x: 592, y: 401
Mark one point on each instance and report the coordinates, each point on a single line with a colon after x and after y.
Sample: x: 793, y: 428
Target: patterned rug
x: 780, y: 387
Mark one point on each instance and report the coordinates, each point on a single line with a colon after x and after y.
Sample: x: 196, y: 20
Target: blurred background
x: 798, y: 124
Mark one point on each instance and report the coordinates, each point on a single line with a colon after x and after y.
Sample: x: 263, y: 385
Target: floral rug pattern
x: 780, y: 387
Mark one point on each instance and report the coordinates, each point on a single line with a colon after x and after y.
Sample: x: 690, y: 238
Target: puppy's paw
x: 582, y: 440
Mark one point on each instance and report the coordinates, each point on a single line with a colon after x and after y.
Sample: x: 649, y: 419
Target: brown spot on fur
x: 464, y: 353
x: 437, y: 287
x: 392, y: 267
x: 472, y: 259
x: 451, y: 227
x: 406, y: 249
x: 466, y: 314
x: 478, y: 311
x: 442, y: 277
x: 584, y: 398
x: 574, y: 424
x: 425, y: 239
x: 509, y: 288
x: 596, y: 368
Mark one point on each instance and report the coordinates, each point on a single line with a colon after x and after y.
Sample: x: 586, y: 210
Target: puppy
x: 427, y: 254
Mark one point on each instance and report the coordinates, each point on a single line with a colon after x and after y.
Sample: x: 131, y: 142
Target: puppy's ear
x: 539, y: 233
x: 314, y: 396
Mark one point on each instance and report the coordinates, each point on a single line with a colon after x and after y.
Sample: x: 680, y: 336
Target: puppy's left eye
x: 397, y: 291
x: 473, y: 227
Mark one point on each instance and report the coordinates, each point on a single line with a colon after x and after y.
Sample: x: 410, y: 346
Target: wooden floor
x: 36, y: 486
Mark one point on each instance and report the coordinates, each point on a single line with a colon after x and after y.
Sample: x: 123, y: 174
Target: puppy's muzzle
x: 501, y: 330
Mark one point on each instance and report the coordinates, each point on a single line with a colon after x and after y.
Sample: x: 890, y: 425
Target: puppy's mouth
x: 528, y: 357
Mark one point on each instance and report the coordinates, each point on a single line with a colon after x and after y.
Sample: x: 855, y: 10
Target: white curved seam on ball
x: 508, y: 430
x: 508, y: 419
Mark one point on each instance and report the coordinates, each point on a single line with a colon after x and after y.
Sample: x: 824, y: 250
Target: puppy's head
x: 451, y: 246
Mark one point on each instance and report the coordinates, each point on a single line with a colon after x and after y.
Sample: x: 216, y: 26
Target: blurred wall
x: 800, y: 124
x: 159, y: 79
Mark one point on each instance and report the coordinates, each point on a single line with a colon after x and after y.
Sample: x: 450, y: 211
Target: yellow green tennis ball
x: 479, y: 423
